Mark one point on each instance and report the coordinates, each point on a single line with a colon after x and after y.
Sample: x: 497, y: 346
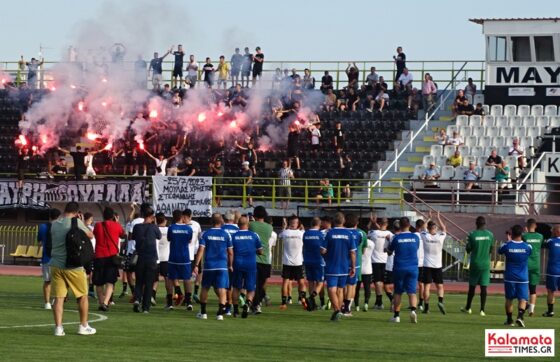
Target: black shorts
x: 292, y: 152
x: 263, y: 270
x: 163, y: 267
x: 104, y: 271
x: 126, y: 264
x: 292, y: 272
x: 421, y: 274
x: 257, y: 72
x: 178, y: 71
x: 432, y: 275
x: 388, y: 277
x: 378, y: 271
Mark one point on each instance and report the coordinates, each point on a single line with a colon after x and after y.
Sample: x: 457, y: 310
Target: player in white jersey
x: 420, y: 228
x: 292, y: 261
x: 163, y: 256
x: 432, y: 241
x: 379, y: 256
x: 193, y: 249
x: 388, y: 284
x: 367, y: 274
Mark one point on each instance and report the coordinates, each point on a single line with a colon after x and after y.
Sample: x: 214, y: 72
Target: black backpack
x: 79, y: 249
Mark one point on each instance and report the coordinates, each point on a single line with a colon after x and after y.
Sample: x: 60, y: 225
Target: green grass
x: 274, y: 335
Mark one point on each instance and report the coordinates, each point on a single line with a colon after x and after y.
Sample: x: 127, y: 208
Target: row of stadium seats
x: 512, y: 121
x: 480, y: 161
x: 521, y: 110
x: 477, y: 151
x: 450, y: 173
x: 494, y: 131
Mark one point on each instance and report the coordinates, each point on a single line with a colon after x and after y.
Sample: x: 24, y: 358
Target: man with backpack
x: 44, y: 237
x: 65, y: 271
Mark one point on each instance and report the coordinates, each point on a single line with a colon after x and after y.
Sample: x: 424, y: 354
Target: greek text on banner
x: 180, y: 193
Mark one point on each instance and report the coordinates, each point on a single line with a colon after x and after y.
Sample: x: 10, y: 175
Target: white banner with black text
x: 180, y: 193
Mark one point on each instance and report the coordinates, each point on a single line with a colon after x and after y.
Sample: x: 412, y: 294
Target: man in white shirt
x: 456, y: 140
x: 193, y: 249
x: 433, y: 240
x: 420, y: 228
x: 518, y: 151
x: 367, y: 272
x: 406, y: 78
x: 379, y: 256
x: 292, y: 261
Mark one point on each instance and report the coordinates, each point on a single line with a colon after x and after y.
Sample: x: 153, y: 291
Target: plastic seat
x: 418, y: 171
x: 448, y: 150
x: 501, y: 121
x: 506, y: 131
x: 475, y: 121
x: 465, y: 131
x: 464, y: 150
x: 550, y: 110
x: 486, y: 108
x: 515, y: 121
x: 462, y: 120
x: 20, y: 251
x: 523, y: 110
x: 427, y: 159
x: 485, y: 141
x: 528, y: 141
x: 537, y: 110
x: 481, y: 161
x: 498, y: 141
x: 530, y: 121
x: 471, y: 141
x: 31, y: 252
x: 479, y: 98
x: 493, y: 131
x: 554, y: 121
x: 489, y: 121
x: 478, y: 151
x: 451, y: 129
x: 478, y: 131
x: 436, y: 150
x: 460, y: 172
x: 447, y: 173
x: 510, y: 110
x: 441, y: 161
x: 519, y: 131
x: 497, y: 110
x: 468, y: 159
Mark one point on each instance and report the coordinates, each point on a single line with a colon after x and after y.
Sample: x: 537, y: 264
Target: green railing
x: 12, y: 236
x: 442, y: 71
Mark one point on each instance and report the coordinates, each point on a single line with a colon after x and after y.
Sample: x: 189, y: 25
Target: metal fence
x: 11, y: 236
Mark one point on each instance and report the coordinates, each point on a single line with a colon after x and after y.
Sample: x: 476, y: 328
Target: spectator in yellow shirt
x: 223, y: 72
x: 456, y: 159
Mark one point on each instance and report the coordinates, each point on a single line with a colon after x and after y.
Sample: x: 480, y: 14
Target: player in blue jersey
x: 351, y: 224
x: 340, y: 260
x: 179, y: 236
x: 217, y: 249
x: 552, y: 269
x: 231, y: 228
x: 313, y: 240
x: 246, y: 246
x: 405, y: 268
x: 516, y: 274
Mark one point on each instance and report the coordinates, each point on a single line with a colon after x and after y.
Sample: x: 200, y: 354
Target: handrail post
x: 213, y: 192
x: 306, y: 194
x: 338, y: 192
x: 273, y: 198
x: 411, y: 139
x: 244, y: 195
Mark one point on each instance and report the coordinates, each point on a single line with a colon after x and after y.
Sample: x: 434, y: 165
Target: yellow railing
x: 443, y: 71
x: 13, y: 235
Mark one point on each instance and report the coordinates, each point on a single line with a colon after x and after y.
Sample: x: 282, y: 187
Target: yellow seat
x: 500, y: 266
x: 39, y: 254
x: 31, y: 252
x: 21, y: 250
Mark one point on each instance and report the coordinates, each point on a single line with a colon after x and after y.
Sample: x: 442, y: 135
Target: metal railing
x: 414, y: 135
x: 12, y: 236
x: 443, y: 71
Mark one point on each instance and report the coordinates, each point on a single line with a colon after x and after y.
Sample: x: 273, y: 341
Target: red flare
x: 220, y: 114
x: 72, y: 86
x: 81, y: 106
x: 53, y: 88
x: 22, y: 140
x: 202, y: 117
x: 108, y: 147
x: 153, y: 113
x: 34, y: 148
x: 104, y: 80
x: 43, y: 138
x: 3, y: 81
x: 233, y: 124
x: 297, y: 123
x: 92, y: 136
x: 104, y: 104
x: 141, y: 146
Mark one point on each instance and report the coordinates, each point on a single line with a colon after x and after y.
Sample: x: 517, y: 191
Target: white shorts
x: 46, y: 272
x: 156, y: 79
x: 90, y: 171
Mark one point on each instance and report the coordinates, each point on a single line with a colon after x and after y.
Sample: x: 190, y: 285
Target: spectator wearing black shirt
x: 293, y: 145
x: 494, y: 159
x: 381, y: 86
x: 60, y: 167
x: 246, y: 67
x: 400, y: 62
x: 157, y: 69
x: 308, y: 79
x: 353, y: 74
x: 140, y: 68
x: 326, y: 82
x: 459, y: 99
x: 179, y: 54
x: 338, y: 138
x: 208, y: 70
x: 236, y: 63
x: 258, y: 60
x: 479, y: 111
x: 23, y: 164
x: 188, y: 168
x: 353, y: 99
x: 345, y: 172
x: 465, y: 108
x: 78, y: 156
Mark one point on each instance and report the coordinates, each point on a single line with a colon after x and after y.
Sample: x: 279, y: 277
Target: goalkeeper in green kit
x: 536, y: 240
x: 479, y: 245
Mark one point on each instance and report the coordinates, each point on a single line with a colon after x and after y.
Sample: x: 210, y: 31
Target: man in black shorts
x: 432, y: 241
x: 293, y: 145
x: 178, y: 67
x: 292, y: 261
x: 246, y: 68
x: 258, y: 65
x: 420, y: 229
x: 380, y: 237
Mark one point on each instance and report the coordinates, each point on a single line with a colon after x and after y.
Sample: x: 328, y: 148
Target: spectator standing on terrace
x: 32, y: 70
x: 326, y: 82
x: 105, y: 271
x: 156, y: 66
x: 63, y: 277
x: 188, y: 168
x: 471, y: 176
x: 293, y: 145
x: 353, y: 74
x: 44, y: 237
x: 258, y: 60
x: 400, y: 62
x: 345, y: 172
x: 23, y: 163
x: 308, y: 79
x: 315, y: 138
x: 217, y: 172
x: 236, y: 64
x: 470, y: 89
x: 192, y: 72
x: 247, y: 175
x: 456, y: 159
x: 494, y: 159
x: 179, y: 54
x: 518, y: 151
x: 208, y: 73
x: 223, y: 72
x: 79, y: 161
x: 246, y: 67
x: 284, y: 190
x: 429, y: 91
x: 338, y: 138
x: 140, y: 68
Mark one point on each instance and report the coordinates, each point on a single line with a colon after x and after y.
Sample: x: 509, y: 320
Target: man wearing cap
x: 471, y: 176
x: 430, y: 174
x: 264, y: 231
x: 247, y: 175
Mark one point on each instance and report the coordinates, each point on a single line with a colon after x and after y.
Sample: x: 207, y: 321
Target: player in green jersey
x: 533, y: 238
x: 479, y: 245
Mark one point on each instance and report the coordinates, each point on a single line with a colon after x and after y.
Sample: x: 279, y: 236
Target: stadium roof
x: 481, y: 21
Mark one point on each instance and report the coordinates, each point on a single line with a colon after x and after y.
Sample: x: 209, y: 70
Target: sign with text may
x: 519, y: 343
x: 180, y: 193
x: 39, y: 193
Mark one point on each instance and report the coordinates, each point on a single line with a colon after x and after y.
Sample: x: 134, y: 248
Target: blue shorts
x: 314, y: 273
x: 244, y: 279
x: 519, y: 291
x: 553, y: 282
x: 179, y: 271
x: 405, y: 281
x: 336, y: 281
x: 353, y: 280
x: 215, y: 278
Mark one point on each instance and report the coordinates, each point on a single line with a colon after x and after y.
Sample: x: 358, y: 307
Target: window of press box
x: 544, y: 48
x: 521, y: 48
x: 497, y: 48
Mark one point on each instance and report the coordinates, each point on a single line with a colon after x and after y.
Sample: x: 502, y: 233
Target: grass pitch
x: 26, y: 332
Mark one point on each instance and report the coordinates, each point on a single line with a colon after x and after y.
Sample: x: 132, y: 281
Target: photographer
x: 106, y: 261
